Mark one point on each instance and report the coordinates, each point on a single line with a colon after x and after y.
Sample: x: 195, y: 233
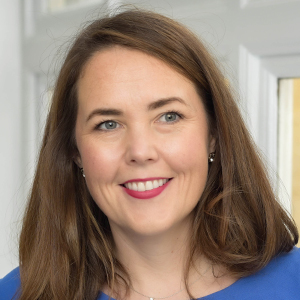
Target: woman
x: 148, y: 184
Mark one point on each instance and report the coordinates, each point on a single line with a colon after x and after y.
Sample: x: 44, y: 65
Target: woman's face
x: 143, y: 140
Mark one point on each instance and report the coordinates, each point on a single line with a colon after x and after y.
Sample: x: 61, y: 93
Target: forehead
x: 125, y: 75
x: 117, y: 58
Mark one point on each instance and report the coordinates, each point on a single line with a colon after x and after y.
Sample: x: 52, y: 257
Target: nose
x: 141, y: 146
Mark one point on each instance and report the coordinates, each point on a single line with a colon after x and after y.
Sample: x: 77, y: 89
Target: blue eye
x: 108, y: 125
x: 170, y: 117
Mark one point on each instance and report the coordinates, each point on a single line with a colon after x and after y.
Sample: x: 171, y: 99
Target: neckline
x: 226, y: 289
x: 226, y: 293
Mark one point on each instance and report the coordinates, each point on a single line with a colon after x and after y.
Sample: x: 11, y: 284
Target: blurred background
x: 257, y: 43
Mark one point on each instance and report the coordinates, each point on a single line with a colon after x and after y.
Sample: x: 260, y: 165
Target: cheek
x: 99, y: 159
x: 190, y: 152
x: 100, y: 165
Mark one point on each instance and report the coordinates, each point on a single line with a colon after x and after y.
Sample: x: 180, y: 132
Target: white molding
x: 268, y: 119
x: 30, y: 146
x: 259, y: 93
x: 198, y: 9
x: 11, y: 176
x: 259, y: 3
x: 285, y: 145
x: 62, y: 6
x: 29, y: 17
x: 284, y: 66
x: 249, y: 67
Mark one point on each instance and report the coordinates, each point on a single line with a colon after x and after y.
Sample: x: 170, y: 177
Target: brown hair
x: 66, y: 247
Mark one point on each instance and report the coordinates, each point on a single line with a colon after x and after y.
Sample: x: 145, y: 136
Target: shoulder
x: 288, y: 259
x: 279, y: 280
x: 9, y: 285
x: 285, y: 266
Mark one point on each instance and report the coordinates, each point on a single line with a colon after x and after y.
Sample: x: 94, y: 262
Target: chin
x: 155, y: 227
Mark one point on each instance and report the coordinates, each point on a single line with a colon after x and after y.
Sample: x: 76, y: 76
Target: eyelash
x: 178, y: 114
x: 102, y: 123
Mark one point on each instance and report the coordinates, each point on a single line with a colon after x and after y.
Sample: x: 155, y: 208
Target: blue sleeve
x: 279, y: 280
x: 10, y: 285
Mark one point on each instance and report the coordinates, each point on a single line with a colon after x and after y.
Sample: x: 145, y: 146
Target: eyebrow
x: 104, y: 112
x: 162, y: 102
x: 152, y: 106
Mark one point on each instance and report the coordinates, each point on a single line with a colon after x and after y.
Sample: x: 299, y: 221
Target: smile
x: 146, y: 188
x: 142, y: 186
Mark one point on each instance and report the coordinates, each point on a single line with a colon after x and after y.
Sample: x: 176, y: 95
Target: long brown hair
x: 66, y: 247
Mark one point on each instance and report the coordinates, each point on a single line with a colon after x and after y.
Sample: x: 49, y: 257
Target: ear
x: 77, y: 159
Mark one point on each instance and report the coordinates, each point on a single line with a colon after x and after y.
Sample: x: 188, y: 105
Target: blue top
x: 279, y: 280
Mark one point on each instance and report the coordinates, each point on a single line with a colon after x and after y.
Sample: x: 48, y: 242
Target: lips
x: 142, y: 186
x: 145, y: 188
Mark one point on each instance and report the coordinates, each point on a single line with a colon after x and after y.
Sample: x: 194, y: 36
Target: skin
x: 147, y: 138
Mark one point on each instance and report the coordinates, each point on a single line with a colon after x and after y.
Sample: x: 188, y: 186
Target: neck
x: 156, y: 263
x: 156, y: 252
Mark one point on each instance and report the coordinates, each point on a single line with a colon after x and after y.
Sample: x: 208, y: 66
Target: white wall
x: 10, y: 132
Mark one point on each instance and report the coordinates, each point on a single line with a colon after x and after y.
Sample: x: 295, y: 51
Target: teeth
x: 134, y: 186
x: 143, y: 186
x: 149, y: 185
x: 155, y: 184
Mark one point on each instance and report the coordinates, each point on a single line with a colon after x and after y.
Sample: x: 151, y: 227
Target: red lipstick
x: 146, y: 194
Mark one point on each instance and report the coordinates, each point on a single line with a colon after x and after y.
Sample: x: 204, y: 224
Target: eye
x: 170, y: 117
x: 108, y: 125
